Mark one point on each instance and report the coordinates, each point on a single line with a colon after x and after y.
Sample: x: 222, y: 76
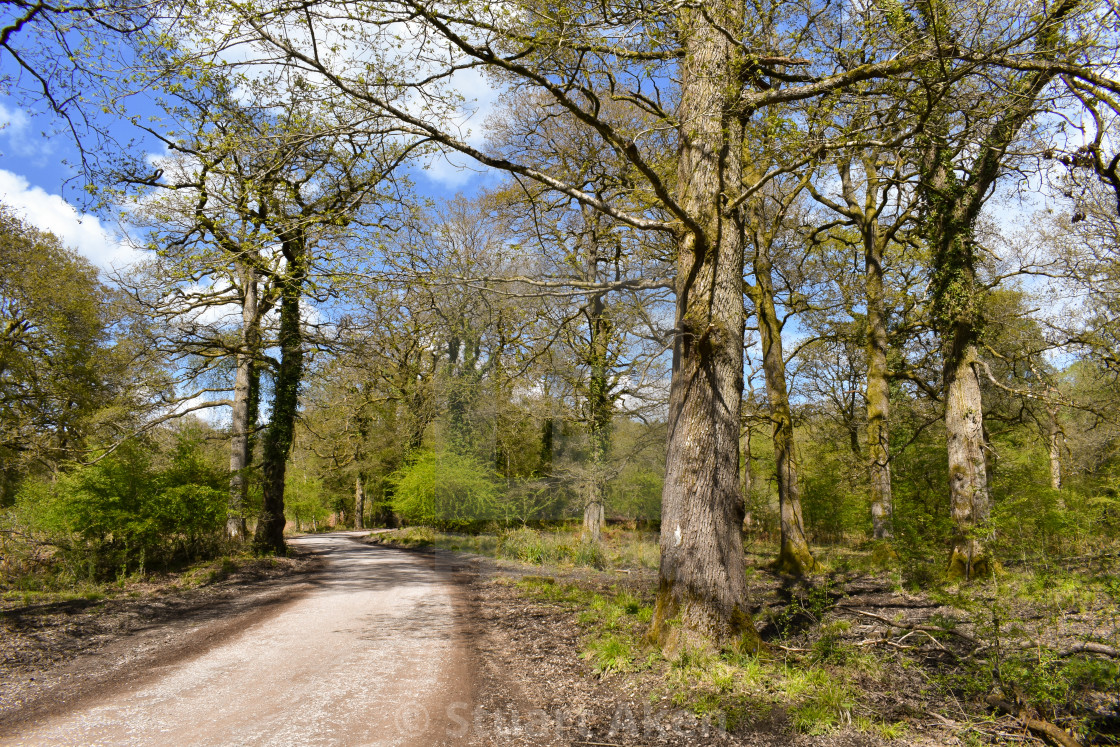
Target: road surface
x: 373, y: 655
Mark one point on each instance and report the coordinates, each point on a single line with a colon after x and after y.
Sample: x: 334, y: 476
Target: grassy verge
x: 732, y: 689
x: 620, y: 549
x: 47, y: 589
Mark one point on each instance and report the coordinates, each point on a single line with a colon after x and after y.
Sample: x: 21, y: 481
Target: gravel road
x: 373, y: 655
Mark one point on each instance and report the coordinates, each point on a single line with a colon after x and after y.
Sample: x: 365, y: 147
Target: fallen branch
x: 1038, y: 726
x: 915, y: 626
x: 1090, y: 648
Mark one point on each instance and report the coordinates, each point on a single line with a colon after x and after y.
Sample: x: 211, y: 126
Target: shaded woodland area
x: 789, y: 287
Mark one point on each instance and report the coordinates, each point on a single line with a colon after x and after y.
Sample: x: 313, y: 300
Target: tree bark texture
x: 970, y: 503
x: 702, y: 579
x: 243, y: 421
x: 878, y: 389
x: 794, y: 556
x: 269, y: 536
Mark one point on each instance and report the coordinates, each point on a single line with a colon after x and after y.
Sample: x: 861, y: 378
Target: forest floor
x: 854, y: 657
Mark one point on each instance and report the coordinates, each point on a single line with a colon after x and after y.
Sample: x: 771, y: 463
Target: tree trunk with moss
x: 702, y: 579
x: 957, y: 176
x: 970, y: 502
x: 600, y: 407
x: 278, y: 437
x: 794, y: 556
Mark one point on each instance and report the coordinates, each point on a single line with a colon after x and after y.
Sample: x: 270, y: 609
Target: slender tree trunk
x: 747, y: 479
x: 702, y: 578
x: 269, y: 536
x: 878, y: 390
x: 969, y: 501
x: 243, y: 421
x: 599, y: 404
x: 794, y: 556
x: 1054, y: 441
x: 359, y: 502
x: 548, y: 437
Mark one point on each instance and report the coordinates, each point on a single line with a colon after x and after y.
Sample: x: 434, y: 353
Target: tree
x: 766, y: 221
x: 64, y: 354
x: 726, y: 65
x: 959, y: 168
x: 885, y: 207
x: 274, y: 194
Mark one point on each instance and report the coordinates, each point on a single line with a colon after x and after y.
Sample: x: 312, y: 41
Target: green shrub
x: 123, y: 514
x: 445, y: 490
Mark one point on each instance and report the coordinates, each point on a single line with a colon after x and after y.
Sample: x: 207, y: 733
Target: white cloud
x: 19, y: 136
x: 79, y: 231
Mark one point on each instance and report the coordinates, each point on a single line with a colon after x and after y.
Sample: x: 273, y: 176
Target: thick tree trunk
x: 269, y: 536
x: 794, y: 556
x: 702, y: 579
x: 593, y: 519
x: 878, y: 391
x: 969, y: 502
x: 243, y: 421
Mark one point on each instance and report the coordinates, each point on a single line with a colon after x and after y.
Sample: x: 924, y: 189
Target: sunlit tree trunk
x: 747, y: 479
x: 970, y: 502
x: 702, y: 578
x: 1054, y: 441
x: 794, y: 556
x: 359, y: 502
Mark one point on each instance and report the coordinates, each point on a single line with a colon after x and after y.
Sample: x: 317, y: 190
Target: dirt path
x: 372, y: 654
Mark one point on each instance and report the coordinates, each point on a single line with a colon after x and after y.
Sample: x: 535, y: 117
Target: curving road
x: 373, y: 655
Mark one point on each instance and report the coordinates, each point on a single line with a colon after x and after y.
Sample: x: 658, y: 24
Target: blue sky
x: 36, y: 181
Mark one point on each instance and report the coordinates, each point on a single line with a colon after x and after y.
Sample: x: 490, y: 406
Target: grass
x: 619, y: 549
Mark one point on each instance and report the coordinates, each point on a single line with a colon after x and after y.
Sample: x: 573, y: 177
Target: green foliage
x: 636, y: 493
x: 446, y: 490
x: 306, y: 501
x: 834, y: 497
x: 530, y: 546
x: 124, y: 513
x: 57, y: 361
